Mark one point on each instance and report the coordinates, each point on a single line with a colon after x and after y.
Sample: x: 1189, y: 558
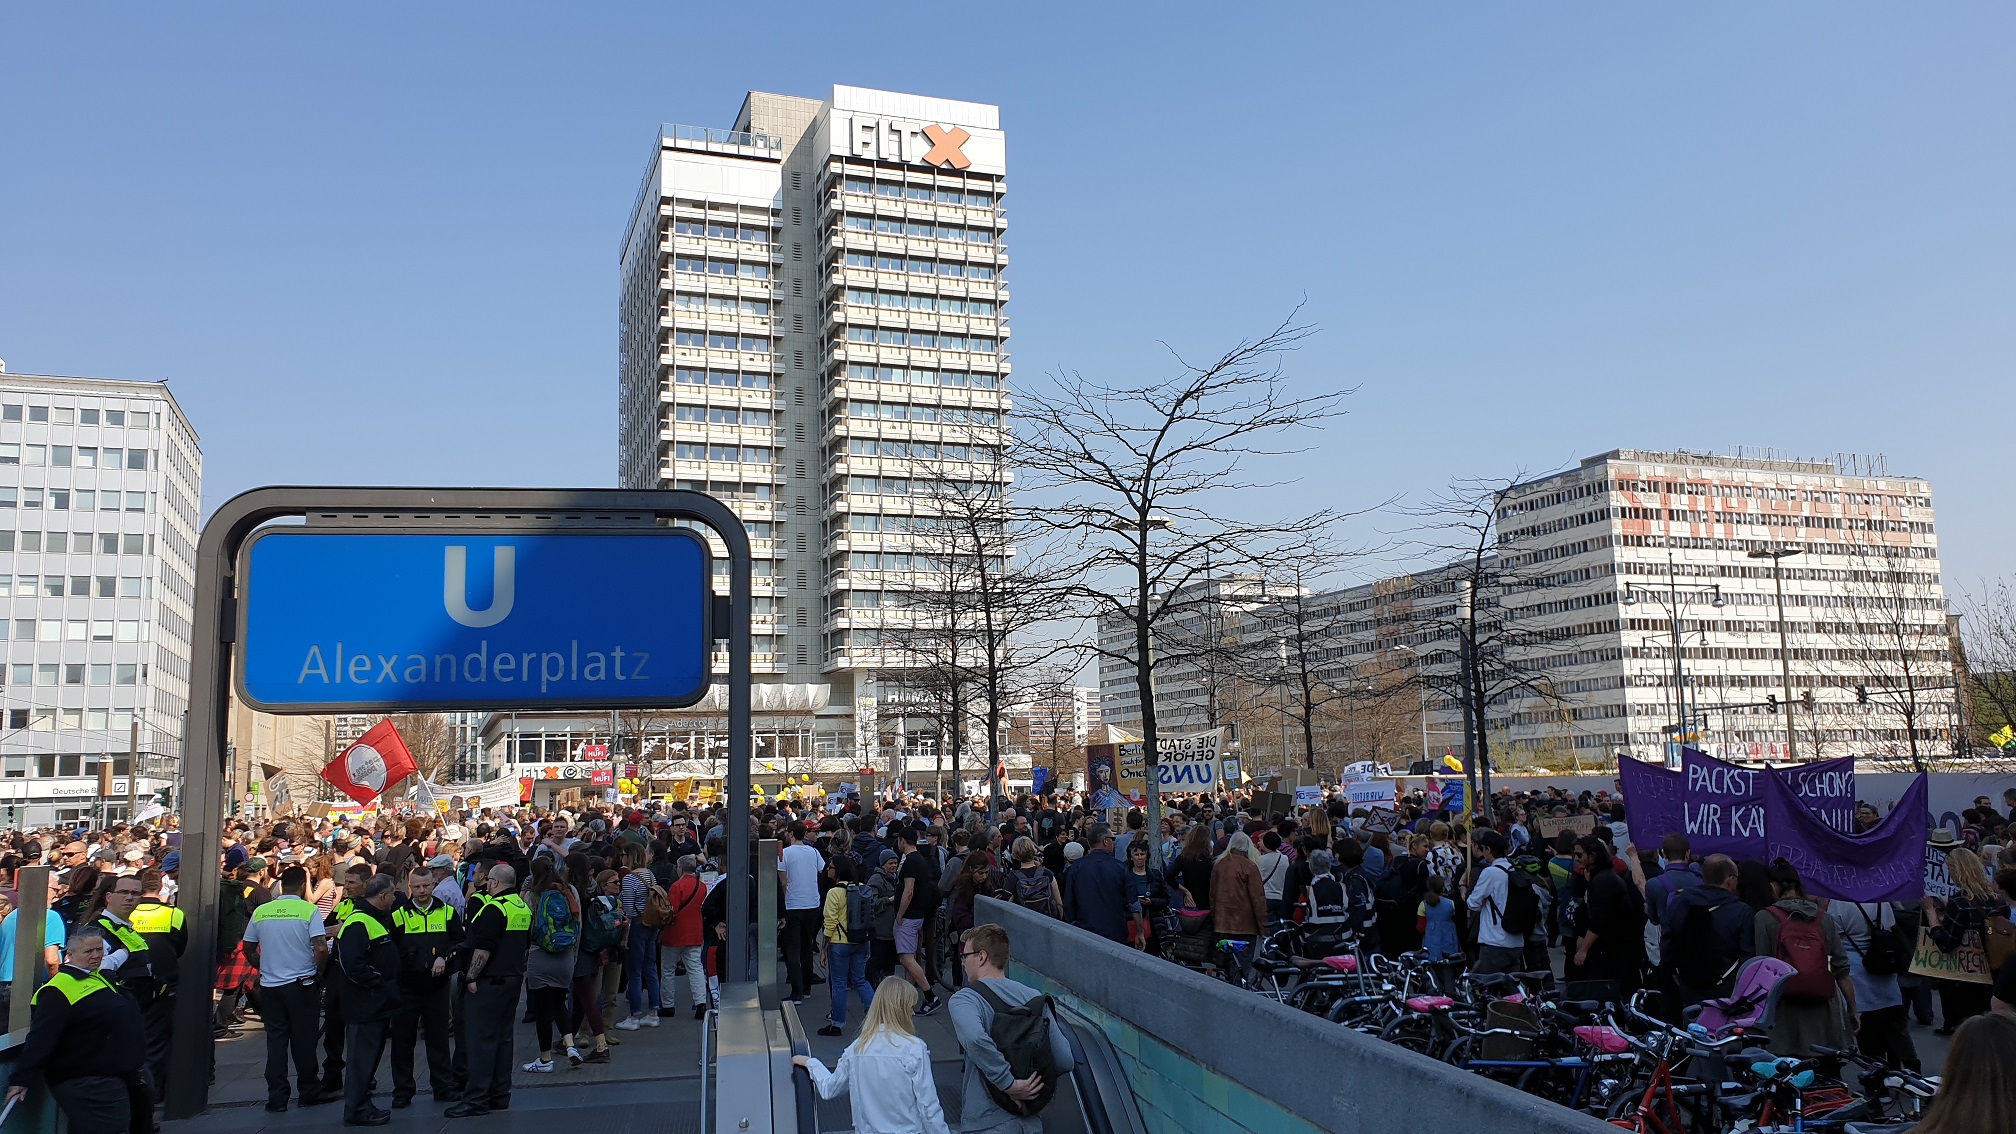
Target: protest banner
x: 1882, y: 864
x: 1352, y: 773
x: 1308, y: 795
x: 1548, y: 826
x: 1038, y: 778
x: 1722, y: 804
x: 1652, y: 795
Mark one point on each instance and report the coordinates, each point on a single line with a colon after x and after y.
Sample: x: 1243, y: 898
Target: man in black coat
x: 1706, y: 933
x: 1096, y: 889
x: 367, y: 956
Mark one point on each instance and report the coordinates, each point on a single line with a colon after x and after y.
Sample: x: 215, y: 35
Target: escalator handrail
x: 1104, y: 1094
x: 801, y: 1079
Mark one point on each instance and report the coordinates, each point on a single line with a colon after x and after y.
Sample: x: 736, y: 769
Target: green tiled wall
x: 1176, y: 1094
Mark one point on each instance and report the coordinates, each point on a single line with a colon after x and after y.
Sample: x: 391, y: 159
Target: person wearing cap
x: 446, y: 890
x: 167, y: 940
x: 87, y: 1045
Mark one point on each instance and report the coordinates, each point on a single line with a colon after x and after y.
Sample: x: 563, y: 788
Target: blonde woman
x: 1960, y: 920
x: 886, y: 1073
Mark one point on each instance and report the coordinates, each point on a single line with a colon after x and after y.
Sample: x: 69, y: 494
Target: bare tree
x: 431, y: 740
x: 1292, y: 636
x: 1890, y: 643
x: 1142, y: 478
x: 1472, y: 645
x: 1988, y: 636
x: 966, y: 621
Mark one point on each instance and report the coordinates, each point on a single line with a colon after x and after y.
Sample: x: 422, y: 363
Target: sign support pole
x: 416, y: 510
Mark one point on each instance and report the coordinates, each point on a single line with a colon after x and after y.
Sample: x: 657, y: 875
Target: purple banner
x: 1652, y: 800
x: 1722, y: 805
x: 1884, y: 864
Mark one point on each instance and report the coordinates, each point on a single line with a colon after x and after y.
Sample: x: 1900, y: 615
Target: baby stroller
x: 1751, y: 1006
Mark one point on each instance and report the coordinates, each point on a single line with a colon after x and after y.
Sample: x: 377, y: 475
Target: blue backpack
x: 553, y: 926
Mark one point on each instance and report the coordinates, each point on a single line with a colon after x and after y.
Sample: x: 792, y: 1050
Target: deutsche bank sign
x: 353, y: 621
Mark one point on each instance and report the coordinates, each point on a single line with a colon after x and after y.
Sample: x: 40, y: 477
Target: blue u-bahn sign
x: 371, y: 621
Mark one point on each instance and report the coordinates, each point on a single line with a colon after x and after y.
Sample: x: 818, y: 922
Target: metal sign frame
x: 709, y: 632
x: 215, y: 634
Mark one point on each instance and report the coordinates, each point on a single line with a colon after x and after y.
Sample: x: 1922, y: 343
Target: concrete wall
x: 1206, y: 1057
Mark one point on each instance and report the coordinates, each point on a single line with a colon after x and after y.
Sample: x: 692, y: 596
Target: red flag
x: 376, y: 762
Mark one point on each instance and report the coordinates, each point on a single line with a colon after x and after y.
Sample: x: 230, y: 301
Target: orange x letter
x: 945, y: 147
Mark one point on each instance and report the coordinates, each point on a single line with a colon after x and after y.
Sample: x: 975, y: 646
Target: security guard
x: 458, y: 1026
x: 367, y: 967
x: 167, y: 939
x: 430, y: 935
x: 498, y: 937
x: 353, y: 879
x: 86, y: 1041
x: 129, y: 963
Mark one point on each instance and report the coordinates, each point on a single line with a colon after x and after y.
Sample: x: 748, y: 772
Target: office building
x: 100, y: 483
x: 1592, y: 568
x: 1606, y: 555
x: 811, y: 329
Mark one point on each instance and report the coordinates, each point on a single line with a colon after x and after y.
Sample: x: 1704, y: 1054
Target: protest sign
x: 1099, y: 770
x: 1382, y: 819
x: 1038, y: 778
x: 1968, y: 963
x: 1188, y: 763
x: 1938, y: 883
x: 1368, y: 792
x: 1549, y: 826
x: 1308, y: 795
x: 1130, y: 773
x: 1352, y: 773
x: 1882, y: 864
x: 1456, y: 796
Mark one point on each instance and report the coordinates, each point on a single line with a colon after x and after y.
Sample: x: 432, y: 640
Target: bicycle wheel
x: 1415, y: 1033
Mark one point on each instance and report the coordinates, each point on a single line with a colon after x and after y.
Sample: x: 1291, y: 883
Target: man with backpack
x: 1705, y: 933
x: 1015, y: 1051
x: 1509, y: 905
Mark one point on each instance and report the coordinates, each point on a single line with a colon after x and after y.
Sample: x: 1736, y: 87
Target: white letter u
x: 455, y: 586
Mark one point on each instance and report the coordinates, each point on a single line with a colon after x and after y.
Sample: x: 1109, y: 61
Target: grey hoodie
x: 972, y: 1016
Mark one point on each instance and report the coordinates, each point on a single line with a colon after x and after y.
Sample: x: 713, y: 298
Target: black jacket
x: 367, y: 972
x: 1097, y: 892
x: 101, y: 1034
x: 1721, y: 935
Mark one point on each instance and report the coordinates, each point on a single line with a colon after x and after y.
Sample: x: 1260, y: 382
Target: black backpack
x: 1699, y: 964
x: 1521, y: 914
x: 1888, y: 953
x: 1022, y: 1033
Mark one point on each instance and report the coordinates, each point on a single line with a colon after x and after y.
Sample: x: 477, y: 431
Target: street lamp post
x: 1674, y: 608
x: 1775, y: 555
x: 1421, y: 688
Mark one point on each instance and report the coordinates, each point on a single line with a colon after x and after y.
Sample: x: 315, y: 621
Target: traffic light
x: 1806, y: 698
x: 1771, y: 702
x: 1862, y: 694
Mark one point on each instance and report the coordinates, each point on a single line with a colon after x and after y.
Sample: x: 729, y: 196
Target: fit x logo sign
x: 946, y: 147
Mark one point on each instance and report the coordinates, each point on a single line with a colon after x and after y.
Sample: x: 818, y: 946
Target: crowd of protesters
x: 345, y: 939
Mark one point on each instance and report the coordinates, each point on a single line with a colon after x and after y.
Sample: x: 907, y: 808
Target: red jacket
x: 684, y: 929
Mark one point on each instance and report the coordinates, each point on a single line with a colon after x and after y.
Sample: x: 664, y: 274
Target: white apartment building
x: 812, y: 330
x: 1592, y: 566
x: 1606, y: 552
x: 99, y: 488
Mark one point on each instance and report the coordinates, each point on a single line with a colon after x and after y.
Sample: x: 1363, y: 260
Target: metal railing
x: 708, y: 136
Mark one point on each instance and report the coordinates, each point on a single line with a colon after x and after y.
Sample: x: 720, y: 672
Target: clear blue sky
x: 376, y: 243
